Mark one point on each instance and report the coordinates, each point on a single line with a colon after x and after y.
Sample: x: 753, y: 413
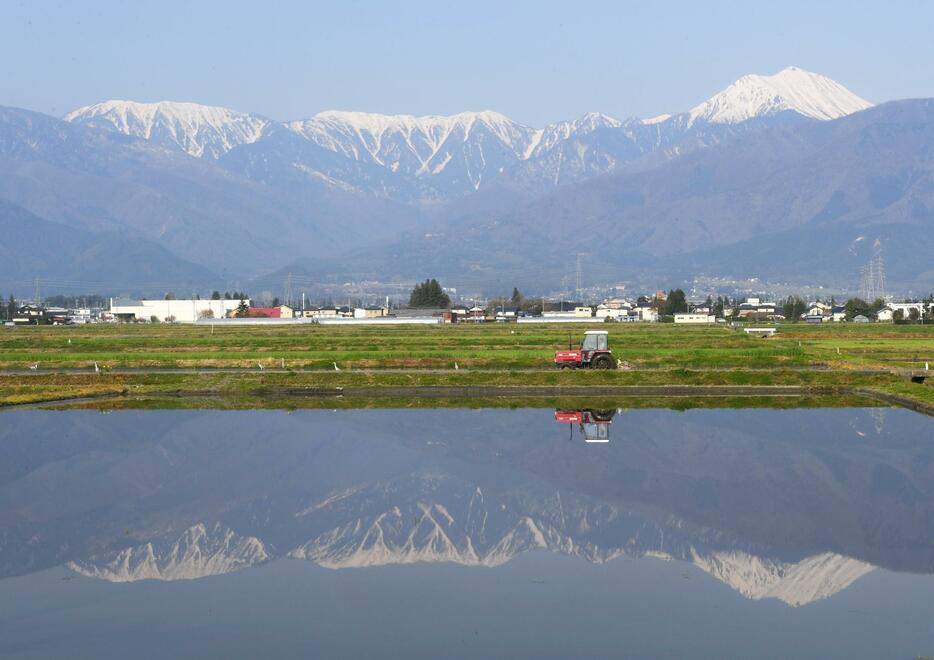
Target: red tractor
x: 594, y: 424
x: 594, y: 353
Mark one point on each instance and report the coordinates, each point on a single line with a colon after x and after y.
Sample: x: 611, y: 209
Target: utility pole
x: 38, y: 300
x: 288, y: 290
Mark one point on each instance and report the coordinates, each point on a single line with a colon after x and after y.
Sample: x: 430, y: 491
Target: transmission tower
x: 288, y: 290
x: 579, y: 273
x: 872, y: 281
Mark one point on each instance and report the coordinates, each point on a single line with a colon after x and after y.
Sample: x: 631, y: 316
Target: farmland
x: 264, y: 362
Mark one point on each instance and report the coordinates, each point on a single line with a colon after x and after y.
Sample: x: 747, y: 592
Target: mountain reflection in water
x: 792, y: 505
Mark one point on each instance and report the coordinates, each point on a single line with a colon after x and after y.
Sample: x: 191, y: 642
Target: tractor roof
x: 596, y: 332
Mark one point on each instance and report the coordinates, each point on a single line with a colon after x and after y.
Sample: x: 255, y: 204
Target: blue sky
x: 535, y: 61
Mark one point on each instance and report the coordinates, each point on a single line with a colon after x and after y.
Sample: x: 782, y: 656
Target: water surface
x: 456, y: 533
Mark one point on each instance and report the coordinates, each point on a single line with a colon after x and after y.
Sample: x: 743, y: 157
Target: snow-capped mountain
x: 198, y: 130
x: 199, y: 552
x: 432, y: 533
x: 439, y: 158
x: 471, y: 531
x: 795, y: 584
x: 421, y: 146
x: 792, y: 89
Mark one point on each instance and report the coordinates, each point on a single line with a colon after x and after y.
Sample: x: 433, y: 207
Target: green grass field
x: 839, y: 355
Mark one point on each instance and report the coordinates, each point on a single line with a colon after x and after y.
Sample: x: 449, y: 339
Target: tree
x: 717, y: 308
x: 676, y: 303
x: 429, y: 294
x: 275, y: 301
x: 793, y: 308
x: 855, y: 307
x: 913, y: 314
x: 516, y: 297
x: 206, y: 314
x: 170, y: 295
x: 243, y: 309
x: 216, y: 295
x: 11, y: 308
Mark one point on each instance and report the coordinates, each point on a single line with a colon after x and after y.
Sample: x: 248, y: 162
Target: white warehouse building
x: 695, y: 318
x: 180, y: 311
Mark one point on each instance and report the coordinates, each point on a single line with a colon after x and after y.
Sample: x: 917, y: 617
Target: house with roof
x: 279, y: 312
x: 30, y: 314
x: 319, y: 312
x: 371, y: 312
x: 756, y: 308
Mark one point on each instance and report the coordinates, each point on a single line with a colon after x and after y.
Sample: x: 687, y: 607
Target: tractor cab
x: 594, y: 425
x: 594, y: 352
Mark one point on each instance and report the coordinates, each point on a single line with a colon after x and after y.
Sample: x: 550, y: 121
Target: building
x: 616, y: 303
x: 264, y: 313
x: 818, y: 309
x: 507, y: 313
x: 755, y: 308
x: 167, y: 311
x: 320, y: 312
x: 370, y: 312
x: 695, y: 318
x: 885, y: 314
x: 906, y: 309
x: 583, y: 311
x: 646, y: 313
x: 604, y: 311
x: 30, y: 315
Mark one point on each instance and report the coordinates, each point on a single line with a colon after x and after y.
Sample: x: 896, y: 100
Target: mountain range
x: 788, y: 177
x: 194, y: 494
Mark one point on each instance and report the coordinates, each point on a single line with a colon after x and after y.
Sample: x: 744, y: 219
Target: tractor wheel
x: 603, y: 415
x: 602, y: 362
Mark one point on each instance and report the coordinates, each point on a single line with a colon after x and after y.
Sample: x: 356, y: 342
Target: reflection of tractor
x: 594, y: 353
x: 594, y: 424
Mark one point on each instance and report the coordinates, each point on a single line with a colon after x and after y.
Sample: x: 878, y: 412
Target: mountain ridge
x: 436, y: 158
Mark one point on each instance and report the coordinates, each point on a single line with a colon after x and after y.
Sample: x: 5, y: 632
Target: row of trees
x: 215, y: 295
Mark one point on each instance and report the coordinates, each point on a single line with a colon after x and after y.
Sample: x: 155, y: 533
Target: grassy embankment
x: 841, y: 357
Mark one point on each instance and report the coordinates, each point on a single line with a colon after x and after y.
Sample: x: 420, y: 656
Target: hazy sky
x: 535, y: 61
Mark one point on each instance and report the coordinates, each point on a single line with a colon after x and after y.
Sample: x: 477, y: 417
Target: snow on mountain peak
x: 420, y: 146
x: 658, y: 119
x: 198, y: 552
x: 199, y: 130
x: 806, y: 93
x: 809, y: 580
